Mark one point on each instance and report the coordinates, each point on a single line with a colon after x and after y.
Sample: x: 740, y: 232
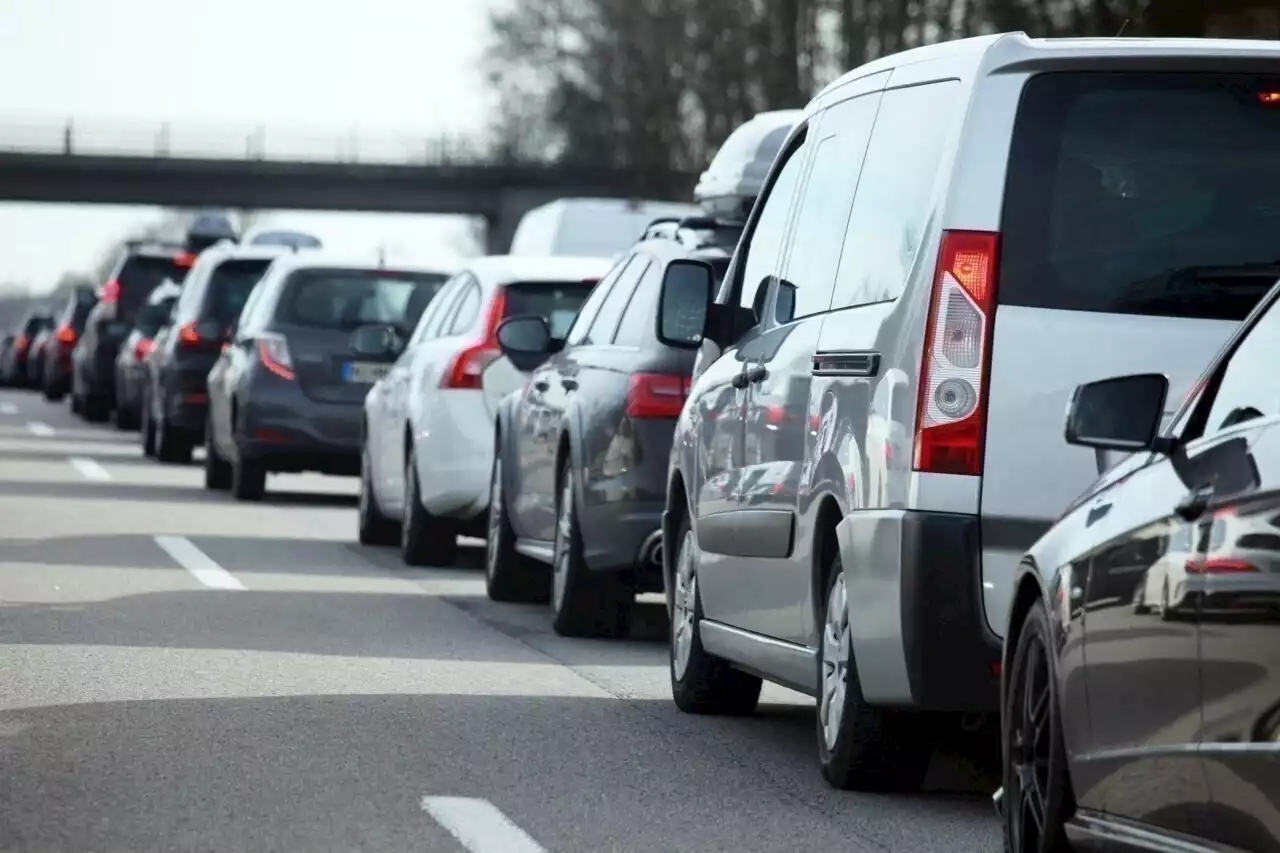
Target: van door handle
x: 757, y: 374
x: 569, y: 384
x: 1194, y: 503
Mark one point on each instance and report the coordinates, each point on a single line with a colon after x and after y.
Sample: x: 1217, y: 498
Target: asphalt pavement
x: 179, y: 671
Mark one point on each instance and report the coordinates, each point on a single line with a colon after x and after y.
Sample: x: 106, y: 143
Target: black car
x: 131, y: 362
x: 16, y: 369
x: 141, y: 269
x: 1141, y: 666
x: 57, y: 355
x: 586, y: 443
x: 175, y: 390
x: 285, y: 394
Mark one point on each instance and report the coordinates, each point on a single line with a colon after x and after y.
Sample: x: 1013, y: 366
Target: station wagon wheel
x: 508, y: 574
x: 584, y: 603
x: 375, y: 528
x: 1037, y: 797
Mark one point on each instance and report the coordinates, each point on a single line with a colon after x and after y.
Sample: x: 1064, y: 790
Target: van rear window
x: 1147, y: 193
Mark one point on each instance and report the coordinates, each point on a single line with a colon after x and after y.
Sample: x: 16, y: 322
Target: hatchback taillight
x: 952, y: 412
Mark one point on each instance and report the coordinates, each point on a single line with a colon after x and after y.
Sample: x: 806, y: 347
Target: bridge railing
x: 192, y: 140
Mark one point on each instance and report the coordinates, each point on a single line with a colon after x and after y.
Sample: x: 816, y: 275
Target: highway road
x: 182, y: 672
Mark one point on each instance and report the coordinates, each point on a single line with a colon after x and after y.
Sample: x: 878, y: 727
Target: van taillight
x: 952, y: 412
x: 656, y: 395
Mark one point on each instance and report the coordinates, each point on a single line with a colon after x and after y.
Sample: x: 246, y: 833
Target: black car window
x: 557, y: 302
x: 348, y: 298
x: 142, y: 274
x: 581, y: 325
x: 151, y: 317
x: 1150, y: 193
x: 605, y: 324
x: 229, y: 287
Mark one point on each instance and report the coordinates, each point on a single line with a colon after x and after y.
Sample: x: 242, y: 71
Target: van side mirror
x: 688, y: 286
x: 526, y: 341
x: 1120, y: 413
x: 375, y: 341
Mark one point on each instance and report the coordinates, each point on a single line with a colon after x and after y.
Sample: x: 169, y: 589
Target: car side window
x: 763, y: 249
x: 245, y: 320
x: 1249, y: 387
x: 892, y: 207
x: 448, y: 308
x: 639, y: 320
x: 468, y: 310
x: 605, y: 324
x: 435, y: 309
x: 823, y: 212
x: 587, y: 313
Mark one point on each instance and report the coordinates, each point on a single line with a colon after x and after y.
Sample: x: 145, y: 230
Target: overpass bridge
x: 186, y: 165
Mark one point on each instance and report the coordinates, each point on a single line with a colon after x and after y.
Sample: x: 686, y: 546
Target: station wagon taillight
x: 952, y: 411
x: 656, y: 395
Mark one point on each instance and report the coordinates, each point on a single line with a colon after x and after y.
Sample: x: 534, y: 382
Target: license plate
x: 364, y: 372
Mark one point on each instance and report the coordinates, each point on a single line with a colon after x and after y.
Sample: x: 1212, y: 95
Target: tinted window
x: 150, y: 317
x: 229, y: 289
x: 764, y: 247
x: 1250, y: 385
x: 823, y: 214
x: 36, y: 324
x: 345, y: 299
x: 80, y: 312
x: 606, y: 322
x: 1259, y: 541
x: 142, y: 274
x: 1143, y: 193
x: 557, y: 302
x: 582, y: 323
x: 467, y: 312
x: 894, y: 193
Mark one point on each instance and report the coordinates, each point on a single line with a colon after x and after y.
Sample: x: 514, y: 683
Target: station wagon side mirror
x: 526, y: 341
x: 684, y: 304
x: 375, y: 341
x: 1120, y: 413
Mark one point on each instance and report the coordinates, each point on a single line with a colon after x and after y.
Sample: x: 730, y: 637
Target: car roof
x: 234, y: 251
x: 499, y: 269
x: 288, y: 260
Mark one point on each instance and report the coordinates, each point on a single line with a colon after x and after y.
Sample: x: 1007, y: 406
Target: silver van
x: 949, y: 242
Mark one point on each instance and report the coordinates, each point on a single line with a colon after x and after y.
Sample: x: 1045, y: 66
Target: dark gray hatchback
x: 286, y: 394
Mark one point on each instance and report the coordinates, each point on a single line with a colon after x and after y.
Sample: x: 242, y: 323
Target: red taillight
x: 951, y: 416
x: 67, y: 335
x: 186, y: 259
x: 273, y: 351
x: 1219, y: 566
x: 656, y: 395
x: 143, y: 348
x: 21, y: 343
x: 470, y: 362
x: 111, y: 292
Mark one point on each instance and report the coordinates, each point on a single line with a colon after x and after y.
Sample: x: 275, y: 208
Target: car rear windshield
x: 36, y: 324
x: 150, y: 317
x: 80, y: 313
x: 229, y: 288
x: 348, y: 298
x: 1143, y: 193
x: 555, y: 301
x: 142, y: 274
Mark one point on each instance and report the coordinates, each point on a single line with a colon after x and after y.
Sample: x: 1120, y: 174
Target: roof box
x: 208, y: 229
x: 736, y: 175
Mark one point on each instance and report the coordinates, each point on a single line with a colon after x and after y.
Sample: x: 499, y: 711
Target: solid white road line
x: 191, y: 558
x: 40, y: 428
x: 8, y: 409
x: 479, y: 825
x: 90, y: 469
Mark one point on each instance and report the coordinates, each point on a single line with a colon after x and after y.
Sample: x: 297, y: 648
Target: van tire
x: 708, y: 684
x: 874, y: 749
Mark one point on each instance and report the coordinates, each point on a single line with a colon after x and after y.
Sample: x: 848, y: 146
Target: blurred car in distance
x: 15, y: 371
x: 590, y: 227
x: 287, y: 391
x: 138, y: 344
x: 56, y: 379
x: 427, y: 435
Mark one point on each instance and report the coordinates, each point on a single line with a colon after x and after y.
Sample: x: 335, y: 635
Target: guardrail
x: 189, y: 140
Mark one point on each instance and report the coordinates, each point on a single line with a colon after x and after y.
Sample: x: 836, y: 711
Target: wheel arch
x: 1028, y: 589
x: 824, y: 549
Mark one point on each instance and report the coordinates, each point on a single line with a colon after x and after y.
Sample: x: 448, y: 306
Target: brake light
x: 143, y: 348
x: 952, y: 411
x: 186, y: 259
x: 656, y: 395
x: 470, y: 362
x: 111, y: 292
x: 273, y: 350
x: 1219, y: 566
x: 22, y: 343
x: 67, y: 335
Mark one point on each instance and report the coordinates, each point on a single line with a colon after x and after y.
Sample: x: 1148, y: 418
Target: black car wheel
x: 147, y: 431
x: 584, y: 603
x: 1037, y: 791
x: 218, y: 474
x: 375, y: 528
x: 425, y: 539
x: 248, y: 479
x: 508, y: 574
x: 172, y: 446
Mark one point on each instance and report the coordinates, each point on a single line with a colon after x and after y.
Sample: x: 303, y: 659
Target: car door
x: 219, y: 379
x: 726, y: 535
x: 1232, y: 582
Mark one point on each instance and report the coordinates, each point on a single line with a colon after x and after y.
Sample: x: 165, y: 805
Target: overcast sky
x: 310, y: 71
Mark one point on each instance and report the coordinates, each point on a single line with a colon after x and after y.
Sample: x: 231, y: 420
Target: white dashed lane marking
x: 200, y: 564
x: 40, y: 428
x: 479, y: 825
x: 89, y: 469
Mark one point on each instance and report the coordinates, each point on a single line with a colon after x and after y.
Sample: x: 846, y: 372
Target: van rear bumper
x: 920, y: 639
